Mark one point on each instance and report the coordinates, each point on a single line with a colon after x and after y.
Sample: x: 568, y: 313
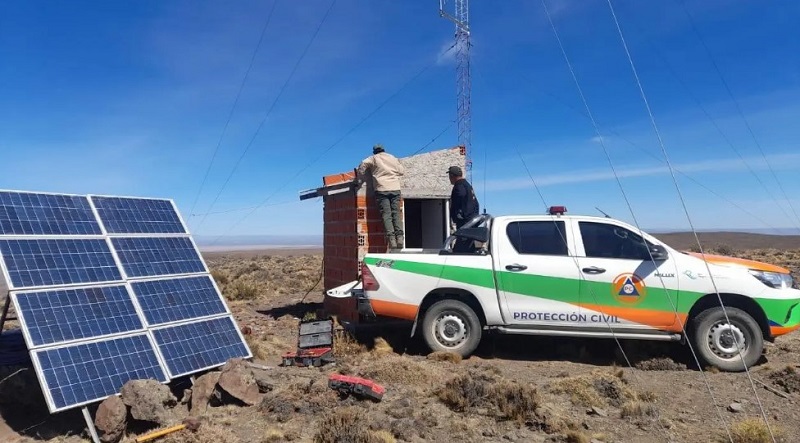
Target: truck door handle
x: 593, y: 270
x: 516, y: 267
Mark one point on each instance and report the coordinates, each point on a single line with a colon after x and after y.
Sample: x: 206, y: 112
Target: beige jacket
x: 387, y: 171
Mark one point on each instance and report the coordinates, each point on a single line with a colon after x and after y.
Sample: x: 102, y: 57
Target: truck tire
x: 451, y: 326
x: 712, y: 338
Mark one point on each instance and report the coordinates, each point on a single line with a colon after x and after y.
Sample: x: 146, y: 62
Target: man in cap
x: 464, y: 204
x: 387, y: 173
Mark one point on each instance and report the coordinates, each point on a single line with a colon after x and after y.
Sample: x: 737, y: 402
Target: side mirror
x: 480, y: 234
x: 658, y: 252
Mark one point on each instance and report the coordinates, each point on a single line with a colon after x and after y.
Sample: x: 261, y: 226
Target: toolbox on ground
x: 314, y: 344
x: 360, y: 387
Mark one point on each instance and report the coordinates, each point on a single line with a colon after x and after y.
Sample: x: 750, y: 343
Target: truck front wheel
x: 451, y: 326
x: 715, y: 339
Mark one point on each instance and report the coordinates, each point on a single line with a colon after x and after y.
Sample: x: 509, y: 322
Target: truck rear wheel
x: 451, y: 326
x: 715, y: 339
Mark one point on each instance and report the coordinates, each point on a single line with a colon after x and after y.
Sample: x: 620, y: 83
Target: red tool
x: 360, y: 387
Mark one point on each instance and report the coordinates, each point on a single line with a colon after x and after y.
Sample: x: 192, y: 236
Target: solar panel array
x: 107, y: 290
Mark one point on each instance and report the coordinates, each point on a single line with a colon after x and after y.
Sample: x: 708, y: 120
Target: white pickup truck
x: 580, y: 276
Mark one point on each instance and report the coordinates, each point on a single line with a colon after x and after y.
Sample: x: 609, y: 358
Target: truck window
x: 538, y: 237
x: 602, y: 240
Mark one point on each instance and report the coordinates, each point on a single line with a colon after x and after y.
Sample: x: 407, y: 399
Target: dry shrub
x: 382, y: 347
x: 465, y: 392
x: 221, y: 277
x: 637, y: 409
x: 257, y: 346
x: 240, y: 290
x: 273, y: 435
x: 660, y: 364
x: 300, y: 398
x: 452, y: 357
x: 753, y: 430
x: 347, y: 425
x: 788, y: 379
x: 207, y: 433
x: 597, y: 389
x: 396, y: 369
x: 515, y: 401
x: 576, y: 437
x: 501, y: 399
x: 345, y: 345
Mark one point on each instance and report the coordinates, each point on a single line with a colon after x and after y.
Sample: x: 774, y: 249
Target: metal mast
x: 460, y: 17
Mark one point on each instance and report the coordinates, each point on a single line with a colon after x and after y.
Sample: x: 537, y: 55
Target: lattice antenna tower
x: 460, y: 17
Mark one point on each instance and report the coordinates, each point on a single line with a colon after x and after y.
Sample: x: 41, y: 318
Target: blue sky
x: 131, y: 98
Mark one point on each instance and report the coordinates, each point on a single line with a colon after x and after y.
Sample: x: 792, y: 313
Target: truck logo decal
x: 385, y: 263
x: 628, y: 288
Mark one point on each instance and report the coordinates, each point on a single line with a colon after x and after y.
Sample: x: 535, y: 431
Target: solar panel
x: 51, y: 262
x: 60, y: 315
x: 176, y: 299
x: 192, y: 347
x: 126, y: 295
x: 82, y: 373
x: 153, y: 256
x: 27, y: 213
x: 122, y: 215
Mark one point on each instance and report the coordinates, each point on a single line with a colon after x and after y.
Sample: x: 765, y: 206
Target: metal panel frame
x: 46, y: 388
x: 192, y: 321
x: 7, y: 275
x: 172, y: 277
x: 24, y: 324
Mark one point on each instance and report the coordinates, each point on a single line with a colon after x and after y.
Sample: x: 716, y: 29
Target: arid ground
x: 514, y: 390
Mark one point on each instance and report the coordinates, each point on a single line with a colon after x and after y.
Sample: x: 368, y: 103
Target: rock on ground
x: 111, y: 419
x: 150, y: 401
x: 202, y: 390
x: 238, y: 380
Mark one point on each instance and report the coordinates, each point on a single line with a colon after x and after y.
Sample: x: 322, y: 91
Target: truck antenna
x: 601, y: 211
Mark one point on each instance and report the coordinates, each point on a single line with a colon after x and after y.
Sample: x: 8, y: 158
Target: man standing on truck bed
x: 387, y: 172
x: 463, y: 203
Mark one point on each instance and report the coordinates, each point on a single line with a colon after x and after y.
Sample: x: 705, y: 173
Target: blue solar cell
x: 87, y: 372
x: 152, y: 256
x: 25, y: 213
x: 191, y: 347
x: 70, y: 314
x: 176, y: 299
x: 32, y: 263
x: 122, y: 215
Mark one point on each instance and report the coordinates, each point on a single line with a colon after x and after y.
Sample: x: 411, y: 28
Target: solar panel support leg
x: 6, y: 305
x: 90, y: 424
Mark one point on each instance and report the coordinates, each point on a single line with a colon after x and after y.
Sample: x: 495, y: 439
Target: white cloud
x: 447, y: 53
x: 777, y: 161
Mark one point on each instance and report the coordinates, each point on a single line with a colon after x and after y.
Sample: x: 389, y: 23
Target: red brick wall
x: 352, y: 227
x: 340, y: 243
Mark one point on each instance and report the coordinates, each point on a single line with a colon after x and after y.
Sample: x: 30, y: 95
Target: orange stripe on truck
x: 663, y: 320
x: 394, y: 309
x: 782, y: 330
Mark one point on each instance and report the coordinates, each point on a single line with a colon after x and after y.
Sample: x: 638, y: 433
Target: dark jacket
x: 463, y: 203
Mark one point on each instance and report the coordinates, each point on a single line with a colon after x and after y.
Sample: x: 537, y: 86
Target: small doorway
x: 426, y: 223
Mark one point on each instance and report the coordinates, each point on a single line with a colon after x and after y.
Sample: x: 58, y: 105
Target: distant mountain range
x: 272, y: 241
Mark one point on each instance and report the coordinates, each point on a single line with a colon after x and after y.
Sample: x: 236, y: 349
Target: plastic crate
x: 315, y: 340
x: 316, y: 327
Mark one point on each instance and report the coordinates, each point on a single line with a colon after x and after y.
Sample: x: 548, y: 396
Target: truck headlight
x: 773, y: 279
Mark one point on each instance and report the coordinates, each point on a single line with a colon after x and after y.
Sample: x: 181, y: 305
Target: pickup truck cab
x: 581, y: 276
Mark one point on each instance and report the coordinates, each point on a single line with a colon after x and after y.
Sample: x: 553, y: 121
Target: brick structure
x: 352, y: 221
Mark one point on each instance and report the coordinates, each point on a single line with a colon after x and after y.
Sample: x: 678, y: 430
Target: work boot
x: 400, y: 241
x: 392, y: 242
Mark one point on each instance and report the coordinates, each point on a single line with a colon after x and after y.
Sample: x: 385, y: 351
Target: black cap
x: 377, y: 148
x: 455, y: 171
